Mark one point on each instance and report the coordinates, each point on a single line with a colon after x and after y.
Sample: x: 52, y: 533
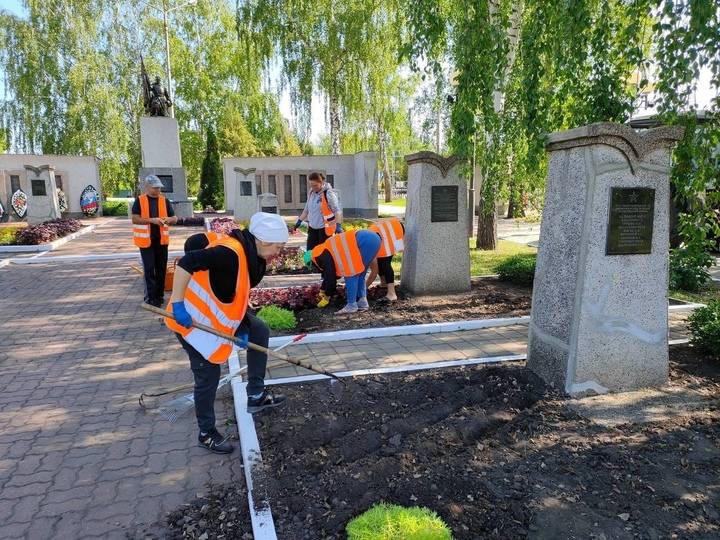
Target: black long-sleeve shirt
x: 222, y: 263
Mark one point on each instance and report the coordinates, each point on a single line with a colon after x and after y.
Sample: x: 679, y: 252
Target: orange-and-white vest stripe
x: 391, y: 236
x: 328, y: 215
x: 204, y: 307
x: 141, y: 233
x: 345, y: 253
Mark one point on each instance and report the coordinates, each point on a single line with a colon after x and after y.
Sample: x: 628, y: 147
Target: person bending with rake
x: 212, y: 286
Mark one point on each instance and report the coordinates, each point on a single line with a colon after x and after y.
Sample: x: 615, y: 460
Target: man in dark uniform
x: 151, y: 216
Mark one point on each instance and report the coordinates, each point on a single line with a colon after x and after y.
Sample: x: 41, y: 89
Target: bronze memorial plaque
x: 443, y: 203
x: 38, y: 188
x: 630, y: 223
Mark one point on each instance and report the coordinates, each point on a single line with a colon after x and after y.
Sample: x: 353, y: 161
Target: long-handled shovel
x: 254, y: 346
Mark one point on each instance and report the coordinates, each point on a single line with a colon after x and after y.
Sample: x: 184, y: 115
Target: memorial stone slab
x: 268, y: 202
x: 42, y: 200
x: 246, y: 198
x: 599, y: 309
x: 437, y: 255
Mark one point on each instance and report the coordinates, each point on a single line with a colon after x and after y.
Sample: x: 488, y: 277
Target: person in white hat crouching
x: 212, y: 286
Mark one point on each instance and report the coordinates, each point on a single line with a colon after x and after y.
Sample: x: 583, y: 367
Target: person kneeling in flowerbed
x: 346, y: 255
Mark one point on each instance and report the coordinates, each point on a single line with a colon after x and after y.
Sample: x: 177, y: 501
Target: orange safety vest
x: 214, y: 236
x: 391, y: 233
x: 141, y: 233
x: 345, y: 253
x: 204, y: 307
x: 327, y: 214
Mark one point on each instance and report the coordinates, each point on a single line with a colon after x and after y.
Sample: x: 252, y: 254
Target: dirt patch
x: 488, y: 298
x: 495, y: 453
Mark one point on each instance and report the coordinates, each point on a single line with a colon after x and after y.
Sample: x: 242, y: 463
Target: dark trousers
x: 207, y: 374
x: 315, y: 237
x: 154, y: 261
x: 385, y: 269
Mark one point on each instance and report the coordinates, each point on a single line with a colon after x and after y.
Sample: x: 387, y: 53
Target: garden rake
x: 296, y: 362
x: 175, y: 408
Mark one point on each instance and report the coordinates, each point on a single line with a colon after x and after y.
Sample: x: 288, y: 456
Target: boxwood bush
x: 277, y: 318
x: 391, y: 522
x: 115, y: 208
x: 688, y: 269
x: 518, y: 269
x: 704, y: 324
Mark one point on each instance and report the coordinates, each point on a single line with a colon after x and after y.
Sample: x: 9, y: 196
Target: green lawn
x: 711, y: 292
x: 483, y: 262
x: 400, y: 203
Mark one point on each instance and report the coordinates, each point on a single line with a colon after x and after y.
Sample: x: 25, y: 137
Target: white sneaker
x: 362, y: 304
x: 350, y: 308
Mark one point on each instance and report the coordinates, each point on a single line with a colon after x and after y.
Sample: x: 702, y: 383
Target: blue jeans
x: 355, y: 287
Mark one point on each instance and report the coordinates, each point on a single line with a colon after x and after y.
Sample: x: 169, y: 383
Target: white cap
x: 153, y: 181
x: 269, y: 228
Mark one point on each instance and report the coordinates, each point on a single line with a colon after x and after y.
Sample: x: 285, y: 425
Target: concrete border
x: 50, y: 245
x: 86, y: 258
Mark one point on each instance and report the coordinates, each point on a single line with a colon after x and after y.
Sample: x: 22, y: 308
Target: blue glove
x: 241, y: 340
x: 338, y: 228
x: 297, y: 224
x: 182, y: 317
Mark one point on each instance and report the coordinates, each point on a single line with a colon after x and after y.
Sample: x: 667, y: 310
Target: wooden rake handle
x: 250, y: 345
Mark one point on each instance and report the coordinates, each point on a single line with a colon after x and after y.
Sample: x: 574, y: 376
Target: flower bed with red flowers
x: 47, y: 231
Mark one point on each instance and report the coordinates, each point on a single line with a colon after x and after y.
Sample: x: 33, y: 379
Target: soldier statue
x: 156, y: 98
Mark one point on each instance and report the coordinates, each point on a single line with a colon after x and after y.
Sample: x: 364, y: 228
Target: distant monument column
x: 437, y: 254
x: 42, y: 196
x: 160, y: 145
x: 600, y: 309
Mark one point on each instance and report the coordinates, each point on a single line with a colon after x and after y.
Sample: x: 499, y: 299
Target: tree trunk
x: 487, y: 226
x: 387, y: 181
x: 334, y: 124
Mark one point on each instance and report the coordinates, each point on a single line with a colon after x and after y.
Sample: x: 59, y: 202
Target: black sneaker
x: 265, y: 401
x: 215, y: 442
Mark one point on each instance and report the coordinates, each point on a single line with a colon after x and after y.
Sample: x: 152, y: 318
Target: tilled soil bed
x: 495, y: 452
x: 488, y: 298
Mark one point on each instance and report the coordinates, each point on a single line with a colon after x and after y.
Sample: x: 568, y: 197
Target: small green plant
x: 115, y: 208
x: 518, y: 269
x: 704, y: 324
x: 391, y: 522
x: 277, y: 318
x: 688, y: 269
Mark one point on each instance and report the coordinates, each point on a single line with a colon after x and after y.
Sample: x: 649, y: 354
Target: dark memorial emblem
x: 89, y: 201
x: 167, y: 183
x: 38, y: 188
x: 630, y: 223
x: 443, y: 203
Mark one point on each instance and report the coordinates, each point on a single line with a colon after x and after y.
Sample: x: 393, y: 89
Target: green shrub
x: 704, y: 324
x: 392, y: 522
x: 115, y: 208
x: 8, y: 234
x: 277, y: 318
x: 518, y: 269
x: 688, y: 269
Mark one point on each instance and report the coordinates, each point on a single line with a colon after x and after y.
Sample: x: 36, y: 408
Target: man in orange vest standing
x: 212, y: 286
x: 392, y: 234
x: 151, y: 216
x: 322, y: 211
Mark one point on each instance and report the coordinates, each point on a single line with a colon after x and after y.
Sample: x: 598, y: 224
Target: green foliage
x: 7, y: 234
x: 278, y: 318
x: 519, y: 269
x: 704, y: 324
x: 114, y: 208
x: 391, y: 522
x: 211, y: 184
x: 688, y: 268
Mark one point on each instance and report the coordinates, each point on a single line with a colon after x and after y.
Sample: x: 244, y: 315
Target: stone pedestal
x: 160, y: 146
x: 437, y: 254
x: 246, y: 197
x: 600, y: 309
x: 267, y: 202
x: 42, y: 196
